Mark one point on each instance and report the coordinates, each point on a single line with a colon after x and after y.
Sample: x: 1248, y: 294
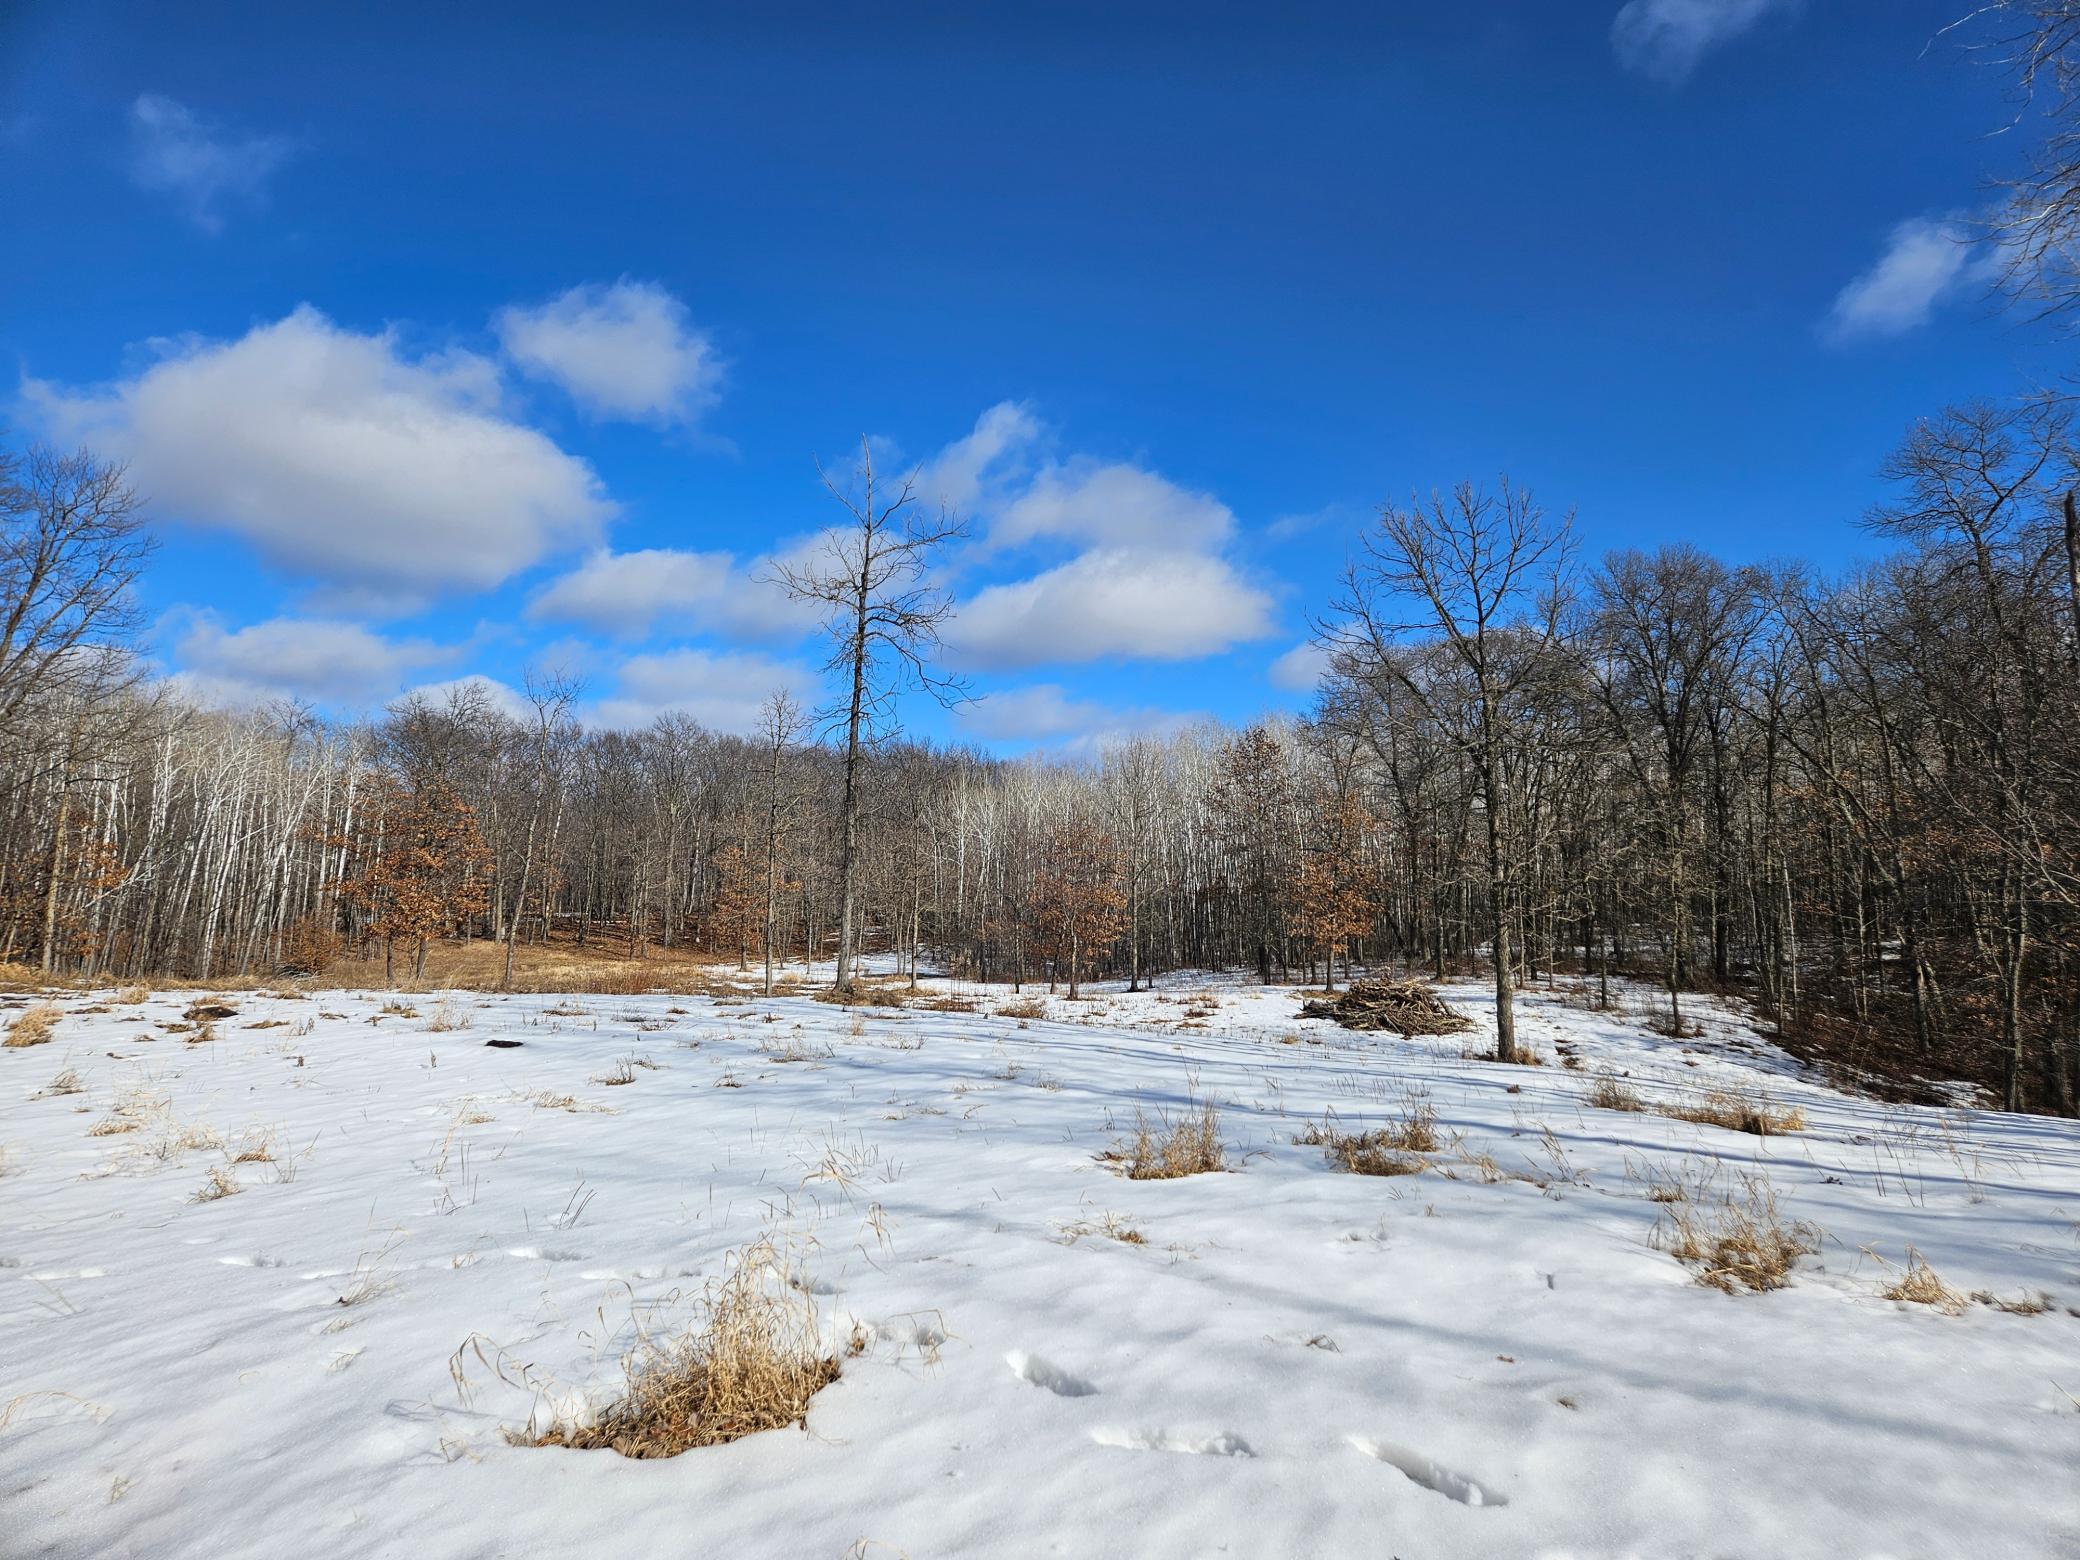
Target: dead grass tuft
x: 1737, y: 1113
x: 34, y: 1026
x: 1165, y: 1148
x: 131, y: 996
x: 448, y: 1016
x: 1919, y: 1285
x: 221, y: 1183
x: 208, y: 1010
x: 1737, y: 1242
x: 751, y: 1361
x: 68, y: 1081
x: 1608, y: 1093
x: 1022, y: 1007
x: 948, y: 1004
x: 2022, y: 1305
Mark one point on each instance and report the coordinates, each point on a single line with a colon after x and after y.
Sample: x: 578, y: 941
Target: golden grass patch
x: 1165, y: 1148
x: 1737, y: 1242
x: 34, y: 1026
x: 1919, y: 1285
x: 1736, y: 1113
x: 750, y: 1360
x: 1607, y: 1092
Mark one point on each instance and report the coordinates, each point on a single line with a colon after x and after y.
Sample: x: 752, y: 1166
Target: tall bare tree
x: 1484, y: 573
x: 882, y: 613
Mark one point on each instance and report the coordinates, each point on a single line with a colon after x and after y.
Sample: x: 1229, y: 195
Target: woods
x: 1855, y: 800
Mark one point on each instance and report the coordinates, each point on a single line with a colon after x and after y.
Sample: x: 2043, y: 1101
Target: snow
x: 1439, y: 1365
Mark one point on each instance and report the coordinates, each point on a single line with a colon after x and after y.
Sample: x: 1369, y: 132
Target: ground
x: 449, y: 1241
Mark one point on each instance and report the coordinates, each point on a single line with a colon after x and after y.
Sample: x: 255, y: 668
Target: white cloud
x: 983, y: 461
x: 1113, y: 506
x: 338, y: 456
x: 1665, y: 39
x: 324, y: 660
x: 722, y: 689
x: 1045, y: 715
x: 623, y: 351
x: 1300, y: 669
x: 1925, y: 261
x: 1165, y: 606
x: 173, y: 152
x: 624, y: 594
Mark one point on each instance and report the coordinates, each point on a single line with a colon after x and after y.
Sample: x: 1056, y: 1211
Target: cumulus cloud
x: 625, y: 351
x: 1665, y: 39
x: 339, y: 456
x: 1301, y: 668
x: 1162, y: 606
x: 1046, y: 715
x: 1147, y: 577
x: 323, y: 660
x: 1925, y: 261
x: 996, y: 452
x: 722, y: 689
x: 1115, y: 506
x: 625, y: 593
x: 202, y: 166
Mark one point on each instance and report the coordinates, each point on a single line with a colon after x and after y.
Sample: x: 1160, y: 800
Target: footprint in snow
x: 1224, y: 1444
x: 1418, y: 1469
x: 1036, y: 1372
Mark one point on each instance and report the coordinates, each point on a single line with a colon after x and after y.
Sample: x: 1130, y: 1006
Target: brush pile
x: 1408, y: 1007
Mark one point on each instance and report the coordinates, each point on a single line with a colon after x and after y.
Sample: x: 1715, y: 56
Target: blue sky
x: 453, y: 340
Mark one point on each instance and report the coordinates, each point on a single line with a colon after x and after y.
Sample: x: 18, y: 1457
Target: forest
x: 1853, y: 801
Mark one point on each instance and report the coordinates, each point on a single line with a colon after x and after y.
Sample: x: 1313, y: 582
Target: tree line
x: 1854, y: 799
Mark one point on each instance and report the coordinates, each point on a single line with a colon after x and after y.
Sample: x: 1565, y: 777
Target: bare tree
x: 883, y: 616
x: 1472, y: 566
x: 781, y: 725
x: 72, y: 542
x: 551, y: 733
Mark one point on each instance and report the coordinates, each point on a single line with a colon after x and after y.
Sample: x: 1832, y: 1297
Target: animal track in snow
x: 1223, y: 1444
x: 1418, y: 1469
x: 1036, y: 1372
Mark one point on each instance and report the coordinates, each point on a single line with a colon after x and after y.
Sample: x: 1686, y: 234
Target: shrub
x: 34, y: 1026
x: 751, y: 1361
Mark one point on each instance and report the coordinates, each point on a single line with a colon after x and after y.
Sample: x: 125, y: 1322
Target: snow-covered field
x: 1471, y: 1361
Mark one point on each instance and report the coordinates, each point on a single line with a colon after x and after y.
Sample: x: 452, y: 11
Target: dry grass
x: 131, y: 996
x: 1919, y: 1285
x: 1165, y: 1147
x: 1738, y: 1242
x: 1608, y: 1093
x: 221, y: 1183
x: 448, y: 1017
x: 1022, y: 1007
x: 2022, y: 1305
x: 750, y: 1361
x: 948, y: 1004
x: 624, y: 1072
x: 68, y: 1081
x: 209, y: 1010
x: 34, y: 1026
x: 1110, y: 1225
x: 1736, y: 1113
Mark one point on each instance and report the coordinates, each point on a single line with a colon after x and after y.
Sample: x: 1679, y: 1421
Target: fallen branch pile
x: 1408, y: 1007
